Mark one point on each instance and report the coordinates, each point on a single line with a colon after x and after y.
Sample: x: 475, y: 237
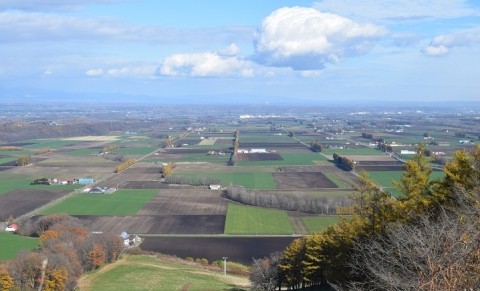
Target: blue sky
x: 305, y: 52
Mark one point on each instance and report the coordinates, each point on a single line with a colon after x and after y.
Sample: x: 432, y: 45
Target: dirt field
x: 378, y: 168
x: 269, y: 145
x: 19, y: 202
x: 371, y: 158
x: 134, y: 177
x: 237, y: 249
x: 158, y: 224
x: 302, y: 180
x: 186, y: 202
x: 259, y: 157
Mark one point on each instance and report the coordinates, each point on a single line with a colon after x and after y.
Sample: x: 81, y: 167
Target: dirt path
x: 298, y: 225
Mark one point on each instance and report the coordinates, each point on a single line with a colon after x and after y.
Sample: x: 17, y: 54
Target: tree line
x: 428, y: 239
x: 236, y: 143
x: 343, y: 162
x: 125, y: 165
x: 298, y: 201
x: 67, y: 249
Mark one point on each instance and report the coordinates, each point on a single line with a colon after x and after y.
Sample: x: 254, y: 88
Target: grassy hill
x: 146, y: 272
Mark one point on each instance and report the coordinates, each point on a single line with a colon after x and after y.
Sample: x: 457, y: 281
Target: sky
x: 186, y: 51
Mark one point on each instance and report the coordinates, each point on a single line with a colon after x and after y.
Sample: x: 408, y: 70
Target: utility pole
x: 225, y: 266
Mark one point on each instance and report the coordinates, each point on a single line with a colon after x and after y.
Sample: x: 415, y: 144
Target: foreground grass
x: 122, y: 203
x: 150, y: 273
x: 12, y: 244
x: 256, y: 220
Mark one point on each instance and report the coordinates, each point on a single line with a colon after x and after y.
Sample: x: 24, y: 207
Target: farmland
x: 12, y: 244
x: 186, y: 218
x: 132, y: 272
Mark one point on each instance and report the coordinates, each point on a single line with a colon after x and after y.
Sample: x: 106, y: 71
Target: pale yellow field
x: 94, y: 138
x: 207, y: 142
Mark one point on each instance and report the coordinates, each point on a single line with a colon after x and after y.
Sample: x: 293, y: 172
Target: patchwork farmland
x: 183, y: 216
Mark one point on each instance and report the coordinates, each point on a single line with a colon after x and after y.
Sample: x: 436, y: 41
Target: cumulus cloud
x: 94, y: 72
x: 399, y: 9
x: 225, y: 63
x: 133, y: 71
x: 441, y: 45
x: 306, y: 39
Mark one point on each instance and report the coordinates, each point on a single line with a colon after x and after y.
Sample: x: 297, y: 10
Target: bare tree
x: 434, y: 252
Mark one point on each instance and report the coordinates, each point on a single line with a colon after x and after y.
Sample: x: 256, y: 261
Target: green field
x: 385, y: 178
x: 121, y: 203
x: 288, y: 160
x: 150, y: 273
x: 135, y: 151
x: 11, y: 244
x: 47, y: 143
x: 83, y: 152
x: 320, y: 223
x: 349, y: 151
x: 7, y: 160
x: 17, y: 153
x: 250, y: 180
x: 256, y: 220
x: 10, y: 183
x: 205, y: 158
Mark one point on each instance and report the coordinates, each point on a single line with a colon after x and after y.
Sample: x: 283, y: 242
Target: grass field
x: 150, y: 273
x: 7, y: 160
x: 122, y: 203
x: 335, y: 179
x: 83, y: 152
x: 12, y: 244
x: 288, y: 160
x: 256, y: 220
x: 48, y: 143
x: 361, y: 151
x: 385, y: 178
x: 320, y: 223
x: 135, y: 151
x: 11, y: 183
x: 250, y: 180
x: 205, y: 158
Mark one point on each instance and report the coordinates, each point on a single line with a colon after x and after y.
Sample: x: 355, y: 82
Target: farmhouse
x: 12, y: 227
x: 215, y: 187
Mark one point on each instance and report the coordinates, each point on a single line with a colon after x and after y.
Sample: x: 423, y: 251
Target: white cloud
x: 441, y: 45
x: 225, y: 63
x: 142, y: 71
x: 306, y: 39
x: 94, y: 72
x: 32, y: 26
x: 399, y: 9
x: 54, y: 5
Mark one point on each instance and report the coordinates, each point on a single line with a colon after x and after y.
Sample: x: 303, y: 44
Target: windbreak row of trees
x: 290, y: 201
x: 429, y: 239
x: 67, y: 249
x: 343, y: 162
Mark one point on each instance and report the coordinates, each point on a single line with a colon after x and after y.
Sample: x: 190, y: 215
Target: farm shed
x: 85, y: 181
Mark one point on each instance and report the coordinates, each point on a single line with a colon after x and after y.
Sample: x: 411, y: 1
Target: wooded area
x: 428, y: 239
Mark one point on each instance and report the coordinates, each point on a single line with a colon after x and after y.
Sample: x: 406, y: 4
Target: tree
x: 55, y: 279
x: 265, y: 274
x: 96, y: 256
x: 291, y: 263
x: 167, y: 169
x: 415, y: 184
x: 23, y: 160
x: 429, y: 253
x: 6, y: 281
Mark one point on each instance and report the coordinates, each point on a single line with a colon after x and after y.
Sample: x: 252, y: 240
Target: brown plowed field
x: 186, y: 202
x: 269, y: 145
x: 159, y: 224
x: 237, y: 249
x: 258, y: 157
x: 302, y: 180
x: 19, y: 202
x: 378, y: 168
